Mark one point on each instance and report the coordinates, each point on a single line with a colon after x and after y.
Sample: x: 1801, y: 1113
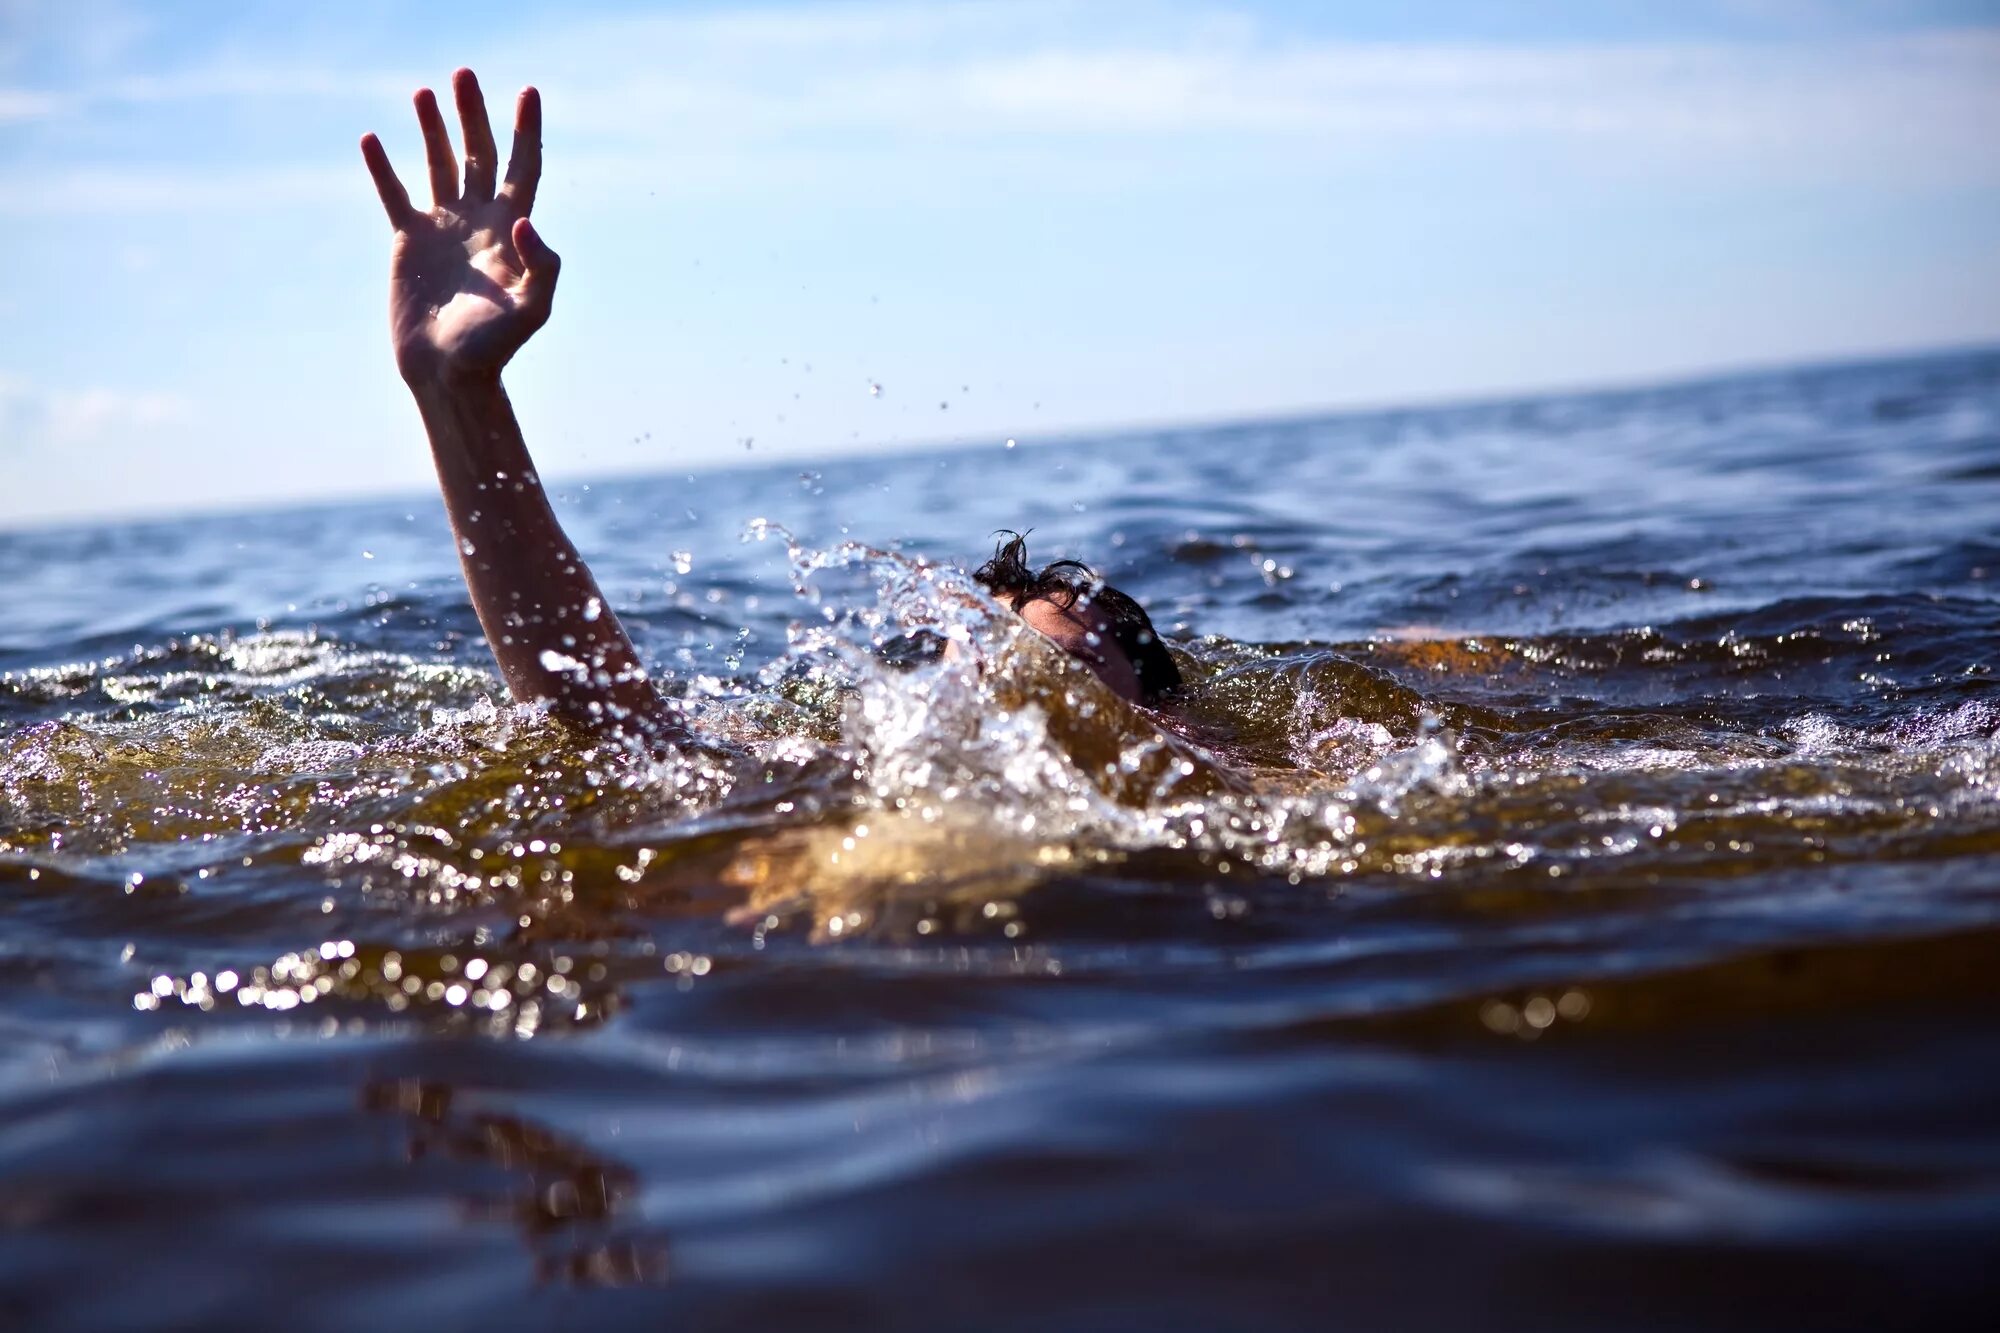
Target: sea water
x: 1566, y: 895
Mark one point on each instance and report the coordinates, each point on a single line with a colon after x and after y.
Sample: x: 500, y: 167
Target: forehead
x: 1075, y: 622
x: 1084, y: 632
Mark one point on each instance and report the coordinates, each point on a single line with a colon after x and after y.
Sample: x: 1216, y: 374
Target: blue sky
x: 1019, y: 218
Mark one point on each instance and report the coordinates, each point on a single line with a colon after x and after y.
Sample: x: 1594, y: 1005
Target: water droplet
x: 874, y: 389
x: 367, y: 555
x: 465, y: 545
x: 1010, y: 444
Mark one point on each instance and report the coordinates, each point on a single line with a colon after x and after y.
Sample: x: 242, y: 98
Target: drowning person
x: 470, y: 281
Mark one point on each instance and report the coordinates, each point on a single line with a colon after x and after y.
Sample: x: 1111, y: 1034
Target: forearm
x: 553, y: 636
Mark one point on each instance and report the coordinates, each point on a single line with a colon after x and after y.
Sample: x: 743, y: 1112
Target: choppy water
x: 1626, y: 956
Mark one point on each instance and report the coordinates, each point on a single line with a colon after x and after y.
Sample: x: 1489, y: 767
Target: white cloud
x: 1867, y: 109
x: 26, y: 104
x: 129, y: 190
x: 1050, y: 66
x: 93, y: 36
x: 50, y: 420
x: 1654, y: 92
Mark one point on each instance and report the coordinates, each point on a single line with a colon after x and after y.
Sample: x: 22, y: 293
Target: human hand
x: 470, y: 280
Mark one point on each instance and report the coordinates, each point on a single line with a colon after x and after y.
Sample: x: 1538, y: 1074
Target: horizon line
x: 1467, y: 400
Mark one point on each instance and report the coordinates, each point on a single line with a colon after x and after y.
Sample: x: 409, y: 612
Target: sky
x: 1016, y: 218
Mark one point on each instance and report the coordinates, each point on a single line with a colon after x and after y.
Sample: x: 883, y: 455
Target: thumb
x: 541, y: 265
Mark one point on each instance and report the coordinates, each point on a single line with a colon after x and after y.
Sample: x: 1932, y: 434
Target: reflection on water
x: 1571, y: 866
x: 562, y: 1196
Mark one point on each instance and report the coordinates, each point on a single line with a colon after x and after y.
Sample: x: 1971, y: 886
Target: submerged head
x: 1084, y: 616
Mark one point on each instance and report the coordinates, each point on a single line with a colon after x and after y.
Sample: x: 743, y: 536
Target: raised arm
x: 469, y: 282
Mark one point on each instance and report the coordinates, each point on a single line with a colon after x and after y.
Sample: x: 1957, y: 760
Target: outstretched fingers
x: 395, y: 199
x: 481, y: 157
x: 438, y: 156
x: 524, y: 167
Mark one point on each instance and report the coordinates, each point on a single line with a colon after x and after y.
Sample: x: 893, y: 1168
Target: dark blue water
x: 1568, y: 897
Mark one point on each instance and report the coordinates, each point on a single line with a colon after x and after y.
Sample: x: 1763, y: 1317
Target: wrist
x: 432, y: 376
x: 468, y: 419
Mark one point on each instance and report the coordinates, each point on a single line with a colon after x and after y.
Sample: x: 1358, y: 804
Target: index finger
x: 395, y: 199
x: 524, y: 167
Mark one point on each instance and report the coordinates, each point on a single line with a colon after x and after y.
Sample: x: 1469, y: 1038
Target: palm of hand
x: 470, y: 281
x: 456, y: 293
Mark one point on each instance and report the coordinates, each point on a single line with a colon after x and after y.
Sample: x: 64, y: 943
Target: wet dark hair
x: 1067, y: 582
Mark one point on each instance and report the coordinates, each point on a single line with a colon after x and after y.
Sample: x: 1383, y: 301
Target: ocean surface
x: 1568, y: 895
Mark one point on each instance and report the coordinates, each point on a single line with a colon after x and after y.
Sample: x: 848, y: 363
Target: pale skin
x: 1083, y: 632
x: 470, y: 281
